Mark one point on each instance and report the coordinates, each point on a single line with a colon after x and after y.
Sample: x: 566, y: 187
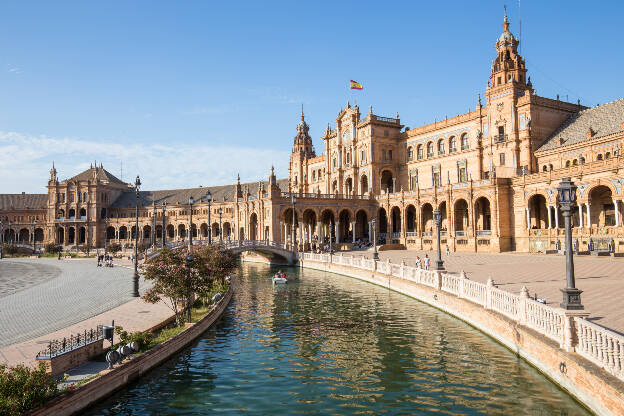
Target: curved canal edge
x: 599, y: 391
x: 114, y: 380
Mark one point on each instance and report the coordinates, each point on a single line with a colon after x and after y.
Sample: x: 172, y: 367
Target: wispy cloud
x: 14, y: 70
x: 25, y: 161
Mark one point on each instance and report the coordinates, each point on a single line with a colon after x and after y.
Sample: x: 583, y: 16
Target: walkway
x: 601, y: 279
x: 56, y: 294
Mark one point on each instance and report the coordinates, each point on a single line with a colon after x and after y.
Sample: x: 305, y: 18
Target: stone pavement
x: 600, y: 279
x: 70, y: 291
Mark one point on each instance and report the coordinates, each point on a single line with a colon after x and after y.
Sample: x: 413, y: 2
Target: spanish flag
x: 356, y: 85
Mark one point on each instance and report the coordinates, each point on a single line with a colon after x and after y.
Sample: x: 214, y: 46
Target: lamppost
x: 293, y: 232
x: 437, y: 217
x: 10, y: 240
x: 1, y: 238
x: 106, y: 222
x: 135, y: 291
x: 220, y: 226
x: 374, y: 227
x: 567, y: 202
x: 34, y: 239
x: 154, y: 226
x: 191, y: 202
x: 189, y: 260
x: 208, y: 198
x: 164, y: 216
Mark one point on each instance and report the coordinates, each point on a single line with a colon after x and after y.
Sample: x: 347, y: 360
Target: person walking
x: 427, y: 260
x: 448, y: 252
x: 418, y: 262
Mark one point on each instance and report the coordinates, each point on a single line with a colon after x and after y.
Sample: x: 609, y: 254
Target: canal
x: 329, y: 344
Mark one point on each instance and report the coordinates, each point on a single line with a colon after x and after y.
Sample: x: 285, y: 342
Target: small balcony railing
x: 500, y: 138
x: 484, y: 233
x: 461, y: 233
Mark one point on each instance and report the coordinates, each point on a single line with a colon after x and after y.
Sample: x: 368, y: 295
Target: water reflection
x: 327, y: 344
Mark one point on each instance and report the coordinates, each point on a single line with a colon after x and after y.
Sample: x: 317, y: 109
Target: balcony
x: 500, y: 138
x: 461, y: 233
x: 484, y: 233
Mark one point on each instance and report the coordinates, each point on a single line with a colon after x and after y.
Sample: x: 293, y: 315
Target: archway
x: 24, y: 236
x: 72, y: 213
x: 427, y: 219
x: 227, y: 230
x: 71, y: 236
x: 349, y: 186
x: 328, y: 222
x: 602, y: 207
x: 123, y: 232
x: 38, y: 235
x: 444, y: 216
x: 253, y: 226
x: 344, y: 225
x: 110, y: 233
x: 83, y: 213
x: 382, y: 220
x: 170, y: 231
x: 133, y: 232
x: 410, y: 218
x: 361, y: 225
x: 309, y: 225
x: 396, y: 222
x: 60, y: 236
x: 538, y: 212
x: 215, y: 230
x: 363, y: 184
x: 181, y: 231
x: 387, y: 183
x: 82, y: 235
x: 147, y: 232
x: 203, y: 229
x: 287, y: 218
x: 461, y: 216
x: 483, y: 215
x: 335, y: 187
x: 159, y: 232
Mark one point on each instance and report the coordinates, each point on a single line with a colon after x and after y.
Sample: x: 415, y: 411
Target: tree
x: 114, y: 248
x: 52, y: 248
x: 173, y: 280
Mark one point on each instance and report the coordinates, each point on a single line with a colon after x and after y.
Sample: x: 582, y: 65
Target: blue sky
x: 189, y: 93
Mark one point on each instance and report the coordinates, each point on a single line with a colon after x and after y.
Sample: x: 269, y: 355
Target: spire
x: 238, y: 178
x: 479, y: 99
x: 302, y: 116
x: 348, y: 104
x: 505, y: 20
x: 370, y: 110
x: 272, y: 170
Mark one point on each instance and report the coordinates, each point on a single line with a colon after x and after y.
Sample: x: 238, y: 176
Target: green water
x: 328, y: 344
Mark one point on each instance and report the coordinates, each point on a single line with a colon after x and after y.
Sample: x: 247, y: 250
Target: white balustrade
x: 601, y: 346
x: 450, y: 283
x: 544, y: 319
x: 505, y: 302
x: 475, y: 291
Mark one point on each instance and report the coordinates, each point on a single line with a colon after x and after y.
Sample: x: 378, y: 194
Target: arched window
x: 607, y: 155
x: 599, y: 157
x: 410, y: 154
x: 430, y: 149
x: 544, y: 168
x: 575, y: 162
x: 452, y: 144
x: 550, y: 167
x: 441, y: 147
x: 464, y: 142
x: 567, y: 163
x: 419, y: 152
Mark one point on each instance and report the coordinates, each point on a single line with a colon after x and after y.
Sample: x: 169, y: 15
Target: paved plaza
x: 601, y: 279
x: 56, y: 294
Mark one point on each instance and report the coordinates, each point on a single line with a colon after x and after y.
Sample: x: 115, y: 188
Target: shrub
x: 10, y: 249
x: 142, y: 338
x: 85, y: 248
x: 113, y: 248
x: 52, y: 248
x: 23, y: 388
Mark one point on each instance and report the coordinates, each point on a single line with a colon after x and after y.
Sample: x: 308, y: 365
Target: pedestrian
x: 427, y: 261
x: 448, y: 252
x: 418, y: 263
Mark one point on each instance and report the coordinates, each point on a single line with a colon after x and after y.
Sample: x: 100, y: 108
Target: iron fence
x: 57, y: 347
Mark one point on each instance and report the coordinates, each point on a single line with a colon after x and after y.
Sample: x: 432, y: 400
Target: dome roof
x: 506, y: 36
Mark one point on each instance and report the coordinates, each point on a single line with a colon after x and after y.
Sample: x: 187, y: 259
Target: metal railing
x: 57, y: 347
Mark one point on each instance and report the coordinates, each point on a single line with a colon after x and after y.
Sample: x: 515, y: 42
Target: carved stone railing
x: 599, y: 345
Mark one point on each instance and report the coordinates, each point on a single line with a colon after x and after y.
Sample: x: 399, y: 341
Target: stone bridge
x: 271, y: 249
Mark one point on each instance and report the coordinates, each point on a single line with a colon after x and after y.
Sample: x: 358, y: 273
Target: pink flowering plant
x: 23, y: 388
x: 174, y: 281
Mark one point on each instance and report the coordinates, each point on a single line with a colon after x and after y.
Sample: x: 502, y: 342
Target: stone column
x: 337, y: 225
x: 528, y: 218
x: 580, y: 208
x: 370, y: 232
x: 353, y: 230
x: 617, y: 212
x: 393, y: 185
x: 549, y: 218
x: 588, y: 225
x: 556, y: 217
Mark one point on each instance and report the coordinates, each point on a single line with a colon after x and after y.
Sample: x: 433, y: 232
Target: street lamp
x: 154, y: 226
x: 567, y: 202
x: 437, y: 217
x: 106, y: 223
x: 293, y: 232
x: 135, y: 291
x: 191, y: 202
x: 374, y: 227
x: 164, y: 216
x: 34, y: 235
x: 1, y: 238
x: 208, y: 198
x: 189, y: 260
x: 220, y: 226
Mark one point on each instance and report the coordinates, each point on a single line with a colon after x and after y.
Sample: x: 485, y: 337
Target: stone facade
x: 492, y: 172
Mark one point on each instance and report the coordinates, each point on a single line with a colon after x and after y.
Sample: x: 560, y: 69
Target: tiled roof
x: 181, y: 196
x: 23, y: 201
x: 101, y: 175
x: 603, y: 120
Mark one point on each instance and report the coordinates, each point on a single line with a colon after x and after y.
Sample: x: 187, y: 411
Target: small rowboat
x: 279, y: 280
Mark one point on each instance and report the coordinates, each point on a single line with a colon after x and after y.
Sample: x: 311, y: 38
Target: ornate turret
x: 53, y: 178
x: 303, y: 141
x: 508, y: 66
